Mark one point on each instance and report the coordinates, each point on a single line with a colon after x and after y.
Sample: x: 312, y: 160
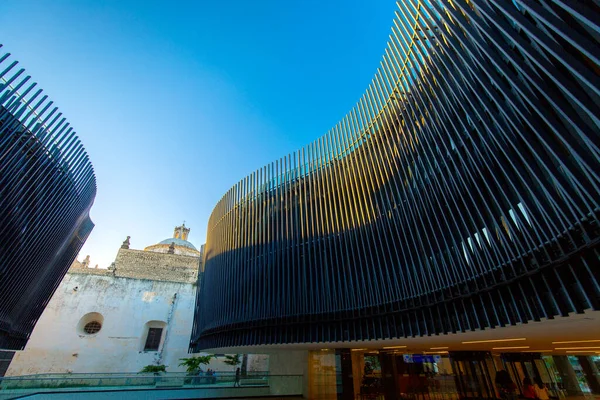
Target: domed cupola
x: 178, y: 244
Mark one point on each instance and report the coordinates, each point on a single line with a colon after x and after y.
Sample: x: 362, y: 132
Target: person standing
x: 505, y: 385
x: 238, y: 372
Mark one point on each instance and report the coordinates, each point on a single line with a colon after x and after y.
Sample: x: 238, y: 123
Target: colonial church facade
x: 136, y: 313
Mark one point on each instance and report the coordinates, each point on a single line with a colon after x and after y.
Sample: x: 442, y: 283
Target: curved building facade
x: 47, y: 187
x: 461, y: 192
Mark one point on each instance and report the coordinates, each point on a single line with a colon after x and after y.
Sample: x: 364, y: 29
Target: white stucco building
x: 136, y: 313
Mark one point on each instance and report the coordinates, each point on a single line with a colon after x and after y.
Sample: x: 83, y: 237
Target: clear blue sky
x: 177, y: 101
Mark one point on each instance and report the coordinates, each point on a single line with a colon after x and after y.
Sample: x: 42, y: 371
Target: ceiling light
x: 439, y: 348
x: 578, y: 341
x: 435, y: 352
x: 581, y: 351
x: 359, y: 349
x: 577, y: 348
x: 493, y: 341
x: 510, y: 348
x: 536, y: 351
x: 395, y: 347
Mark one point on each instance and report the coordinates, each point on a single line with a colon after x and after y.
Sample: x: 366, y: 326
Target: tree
x: 193, y: 364
x: 232, y: 360
x: 236, y: 359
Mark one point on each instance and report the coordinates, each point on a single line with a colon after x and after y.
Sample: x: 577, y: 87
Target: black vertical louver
x: 461, y: 192
x: 47, y: 187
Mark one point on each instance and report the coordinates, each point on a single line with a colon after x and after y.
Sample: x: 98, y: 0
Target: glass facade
x: 47, y: 187
x: 460, y: 193
x: 384, y: 374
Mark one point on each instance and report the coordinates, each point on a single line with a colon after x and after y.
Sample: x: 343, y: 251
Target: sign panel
x: 421, y: 358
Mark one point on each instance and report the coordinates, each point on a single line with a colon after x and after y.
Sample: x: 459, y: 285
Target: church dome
x: 178, y: 244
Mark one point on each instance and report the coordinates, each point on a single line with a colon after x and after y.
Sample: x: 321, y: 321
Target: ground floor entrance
x: 393, y: 373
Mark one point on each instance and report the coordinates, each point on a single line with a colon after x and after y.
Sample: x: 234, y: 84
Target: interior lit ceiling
x: 575, y: 334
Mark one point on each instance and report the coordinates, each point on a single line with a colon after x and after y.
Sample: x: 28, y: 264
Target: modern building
x: 447, y: 224
x: 47, y: 187
x: 138, y: 312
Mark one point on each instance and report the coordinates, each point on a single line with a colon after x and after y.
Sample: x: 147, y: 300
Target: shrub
x: 154, y: 368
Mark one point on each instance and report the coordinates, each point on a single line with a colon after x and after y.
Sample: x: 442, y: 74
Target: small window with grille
x: 90, y: 324
x: 92, y: 327
x: 153, y: 339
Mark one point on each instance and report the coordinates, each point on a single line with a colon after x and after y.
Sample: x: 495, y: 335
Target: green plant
x: 232, y: 360
x: 154, y: 368
x: 193, y: 364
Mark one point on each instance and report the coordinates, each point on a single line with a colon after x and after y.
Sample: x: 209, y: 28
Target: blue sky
x: 177, y: 101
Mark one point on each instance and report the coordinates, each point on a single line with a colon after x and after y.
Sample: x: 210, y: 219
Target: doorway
x: 475, y: 373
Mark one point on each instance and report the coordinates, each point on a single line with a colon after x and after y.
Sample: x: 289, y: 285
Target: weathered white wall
x: 126, y: 304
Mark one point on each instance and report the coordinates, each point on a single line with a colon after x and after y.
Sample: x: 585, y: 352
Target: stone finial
x: 125, y: 244
x: 171, y: 248
x: 86, y: 262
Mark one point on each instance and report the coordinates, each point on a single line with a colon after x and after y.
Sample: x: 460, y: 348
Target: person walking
x: 238, y: 373
x: 541, y: 391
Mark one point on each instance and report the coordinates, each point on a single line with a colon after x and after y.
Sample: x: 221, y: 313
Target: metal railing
x: 12, y: 387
